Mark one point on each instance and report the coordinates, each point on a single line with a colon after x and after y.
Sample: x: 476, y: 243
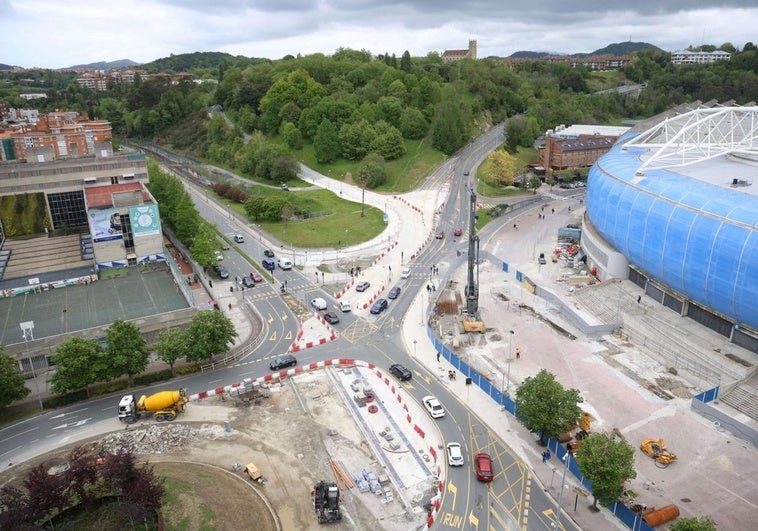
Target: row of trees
x: 88, y: 481
x: 81, y: 362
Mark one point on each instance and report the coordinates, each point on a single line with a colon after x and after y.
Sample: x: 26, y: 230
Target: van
x: 285, y: 263
x: 318, y: 303
x: 238, y: 238
x: 269, y: 264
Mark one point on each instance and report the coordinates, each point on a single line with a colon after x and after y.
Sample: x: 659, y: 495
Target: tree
x: 608, y: 462
x: 209, y: 333
x: 699, y: 523
x: 413, y: 125
x: 501, y: 169
x: 405, y: 62
x: 388, y: 141
x: 127, y: 350
x: 326, y: 143
x: 356, y: 139
x: 373, y: 171
x: 171, y: 345
x: 12, y: 386
x: 545, y: 406
x: 79, y: 362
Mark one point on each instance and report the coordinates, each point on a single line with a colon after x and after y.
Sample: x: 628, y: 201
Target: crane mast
x: 472, y: 282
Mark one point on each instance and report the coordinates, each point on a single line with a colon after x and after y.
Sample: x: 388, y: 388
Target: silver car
x: 454, y: 454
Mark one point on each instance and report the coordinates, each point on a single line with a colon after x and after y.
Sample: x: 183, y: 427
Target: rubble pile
x: 152, y: 439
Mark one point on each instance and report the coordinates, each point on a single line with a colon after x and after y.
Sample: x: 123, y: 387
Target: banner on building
x: 105, y: 224
x: 145, y: 220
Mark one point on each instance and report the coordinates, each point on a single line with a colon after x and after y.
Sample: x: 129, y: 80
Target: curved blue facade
x: 697, y: 238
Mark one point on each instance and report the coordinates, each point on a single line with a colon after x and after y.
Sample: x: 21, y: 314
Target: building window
x: 67, y: 209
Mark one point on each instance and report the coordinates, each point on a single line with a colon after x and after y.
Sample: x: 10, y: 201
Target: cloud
x: 75, y: 31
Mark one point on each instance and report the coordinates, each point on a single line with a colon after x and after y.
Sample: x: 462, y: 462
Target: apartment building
x: 688, y: 57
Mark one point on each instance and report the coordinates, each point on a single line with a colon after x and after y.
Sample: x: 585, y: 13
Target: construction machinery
x: 326, y: 502
x: 471, y: 320
x: 656, y: 448
x: 164, y: 405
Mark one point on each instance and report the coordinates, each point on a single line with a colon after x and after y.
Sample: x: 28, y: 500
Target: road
x: 508, y: 502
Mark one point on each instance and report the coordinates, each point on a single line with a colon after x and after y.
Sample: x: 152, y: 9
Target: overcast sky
x: 61, y: 33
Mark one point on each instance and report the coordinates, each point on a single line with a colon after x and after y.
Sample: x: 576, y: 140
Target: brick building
x: 456, y: 55
x: 578, y: 146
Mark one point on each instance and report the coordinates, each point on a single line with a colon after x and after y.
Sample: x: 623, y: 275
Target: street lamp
x: 27, y: 331
x: 510, y: 343
x: 566, y: 459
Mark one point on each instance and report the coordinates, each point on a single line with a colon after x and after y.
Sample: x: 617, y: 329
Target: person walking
x: 518, y: 353
x: 438, y: 356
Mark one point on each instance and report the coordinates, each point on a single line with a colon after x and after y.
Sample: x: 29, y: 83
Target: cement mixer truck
x: 164, y: 405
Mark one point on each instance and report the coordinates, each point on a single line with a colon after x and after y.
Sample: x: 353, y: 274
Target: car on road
x: 283, y: 362
x: 483, y: 467
x: 541, y: 259
x: 331, y: 318
x: 465, y: 173
x: 433, y: 406
x: 239, y: 238
x: 406, y: 273
x: 440, y: 234
x: 458, y: 231
x: 268, y: 253
x: 256, y: 277
x: 344, y: 306
x: 318, y: 303
x: 268, y: 264
x: 248, y: 282
x: 219, y: 255
x: 400, y: 372
x: 394, y: 293
x: 285, y: 263
x: 454, y: 454
x: 363, y: 285
x: 379, y: 306
x: 221, y: 271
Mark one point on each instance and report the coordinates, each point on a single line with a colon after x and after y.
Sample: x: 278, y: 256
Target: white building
x: 688, y: 57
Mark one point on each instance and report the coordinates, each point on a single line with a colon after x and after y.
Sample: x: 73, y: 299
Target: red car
x: 256, y: 277
x: 483, y: 465
x: 458, y: 231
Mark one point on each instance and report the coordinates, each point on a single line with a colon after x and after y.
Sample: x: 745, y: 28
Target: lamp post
x: 566, y: 460
x: 27, y: 331
x: 510, y: 343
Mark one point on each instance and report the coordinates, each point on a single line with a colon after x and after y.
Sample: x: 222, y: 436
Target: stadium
x: 672, y: 207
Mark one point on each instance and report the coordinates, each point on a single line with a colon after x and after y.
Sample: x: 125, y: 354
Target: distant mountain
x: 6, y: 67
x: 619, y: 48
x: 107, y: 65
x: 186, y: 62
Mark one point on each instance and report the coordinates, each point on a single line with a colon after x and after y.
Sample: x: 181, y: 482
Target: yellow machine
x: 655, y: 448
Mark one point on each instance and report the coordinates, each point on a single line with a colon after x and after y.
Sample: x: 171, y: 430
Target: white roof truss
x: 699, y: 135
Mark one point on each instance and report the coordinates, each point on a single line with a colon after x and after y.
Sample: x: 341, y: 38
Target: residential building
x: 688, y: 57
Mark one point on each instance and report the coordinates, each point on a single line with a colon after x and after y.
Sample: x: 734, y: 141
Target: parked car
x: 285, y: 263
x: 440, y: 234
x: 221, y: 271
x: 256, y: 277
x: 248, y: 282
x: 400, y: 372
x: 331, y: 318
x: 363, y: 285
x: 219, y: 255
x: 483, y: 466
x: 284, y: 187
x: 283, y: 362
x: 458, y: 231
x: 379, y: 306
x: 318, y: 303
x: 268, y: 253
x: 394, y: 293
x: 454, y: 454
x: 541, y: 259
x: 268, y: 264
x: 433, y: 406
x: 344, y: 306
x: 406, y: 273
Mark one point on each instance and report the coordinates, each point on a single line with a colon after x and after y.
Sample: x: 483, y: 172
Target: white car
x: 344, y: 306
x: 406, y: 273
x: 433, y: 406
x: 318, y: 303
x: 285, y: 263
x: 454, y: 454
x: 219, y: 255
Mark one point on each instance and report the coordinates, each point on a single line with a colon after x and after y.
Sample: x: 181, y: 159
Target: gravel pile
x: 152, y: 439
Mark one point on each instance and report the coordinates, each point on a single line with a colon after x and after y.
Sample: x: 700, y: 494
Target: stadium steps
x: 43, y: 255
x: 744, y: 397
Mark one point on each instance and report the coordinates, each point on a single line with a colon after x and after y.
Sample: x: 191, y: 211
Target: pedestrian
x: 210, y: 282
x: 450, y: 375
x: 639, y: 298
x: 518, y: 353
x: 544, y: 457
x: 453, y: 375
x: 230, y: 305
x: 552, y: 210
x: 438, y: 355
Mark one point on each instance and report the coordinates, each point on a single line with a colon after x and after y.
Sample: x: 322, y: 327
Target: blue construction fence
x: 708, y: 396
x: 619, y: 510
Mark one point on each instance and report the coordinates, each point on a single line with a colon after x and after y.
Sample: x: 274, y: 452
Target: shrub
x: 153, y: 377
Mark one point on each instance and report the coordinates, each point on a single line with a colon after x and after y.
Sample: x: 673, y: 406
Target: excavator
x: 326, y: 502
x: 471, y: 320
x: 656, y: 448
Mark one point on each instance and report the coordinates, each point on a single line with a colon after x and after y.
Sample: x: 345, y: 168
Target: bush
x: 153, y: 377
x: 187, y: 369
x: 64, y: 400
x: 110, y: 387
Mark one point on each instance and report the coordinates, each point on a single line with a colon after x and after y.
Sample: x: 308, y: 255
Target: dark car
x: 483, y: 465
x: 268, y: 264
x: 379, y: 306
x: 363, y: 285
x: 400, y: 372
x: 248, y: 282
x: 541, y: 259
x: 221, y: 271
x: 256, y: 277
x: 331, y: 318
x: 394, y: 293
x: 268, y: 253
x: 283, y: 362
